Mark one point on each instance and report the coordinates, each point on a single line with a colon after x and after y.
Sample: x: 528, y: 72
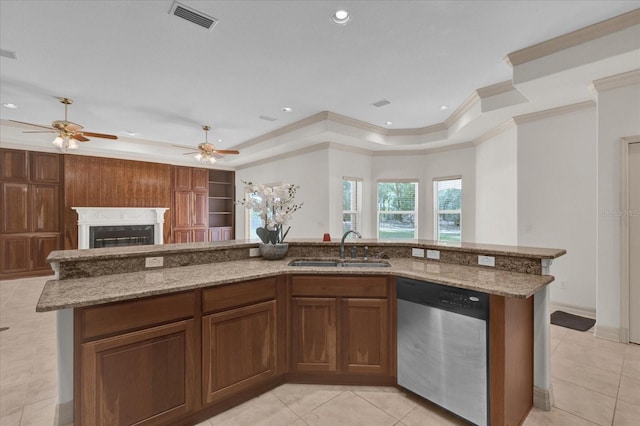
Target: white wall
x: 310, y: 171
x: 618, y: 116
x: 557, y: 200
x: 497, y: 189
x: 426, y: 167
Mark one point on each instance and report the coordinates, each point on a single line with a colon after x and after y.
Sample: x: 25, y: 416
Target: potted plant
x: 275, y: 204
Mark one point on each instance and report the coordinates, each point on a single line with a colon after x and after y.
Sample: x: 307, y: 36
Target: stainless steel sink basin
x: 340, y: 264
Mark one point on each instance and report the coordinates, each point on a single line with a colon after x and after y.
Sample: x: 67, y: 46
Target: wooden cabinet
x: 314, y: 337
x: 365, y: 325
x: 341, y: 325
x: 189, y: 215
x: 138, y: 361
x: 240, y: 338
x: 221, y: 205
x: 30, y: 211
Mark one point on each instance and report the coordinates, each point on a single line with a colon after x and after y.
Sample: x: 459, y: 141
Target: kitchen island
x: 231, y: 326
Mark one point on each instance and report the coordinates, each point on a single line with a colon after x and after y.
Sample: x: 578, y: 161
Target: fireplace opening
x: 118, y: 236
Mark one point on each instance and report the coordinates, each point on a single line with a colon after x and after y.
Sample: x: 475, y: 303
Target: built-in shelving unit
x: 221, y: 205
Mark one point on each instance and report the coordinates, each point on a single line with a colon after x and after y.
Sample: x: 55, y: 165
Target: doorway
x: 630, y: 239
x: 634, y: 241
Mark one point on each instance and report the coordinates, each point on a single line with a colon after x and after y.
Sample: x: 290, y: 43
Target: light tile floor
x: 595, y: 382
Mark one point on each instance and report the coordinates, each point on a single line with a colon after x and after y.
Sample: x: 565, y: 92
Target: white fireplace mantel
x: 115, y: 216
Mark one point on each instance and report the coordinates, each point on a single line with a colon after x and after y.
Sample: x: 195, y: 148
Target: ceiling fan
x: 68, y: 133
x: 207, y: 152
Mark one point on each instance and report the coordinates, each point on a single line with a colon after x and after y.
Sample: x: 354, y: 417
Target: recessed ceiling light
x: 287, y: 109
x: 219, y: 140
x: 340, y: 17
x: 444, y: 108
x: 12, y: 106
x: 130, y: 133
x: 388, y: 123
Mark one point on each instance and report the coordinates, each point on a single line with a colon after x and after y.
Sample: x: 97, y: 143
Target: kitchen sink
x: 340, y: 263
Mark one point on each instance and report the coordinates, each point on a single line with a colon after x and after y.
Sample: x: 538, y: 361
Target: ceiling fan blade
x: 72, y: 127
x: 190, y: 153
x: 40, y: 131
x: 226, y: 151
x: 31, y: 124
x: 99, y: 135
x: 79, y: 137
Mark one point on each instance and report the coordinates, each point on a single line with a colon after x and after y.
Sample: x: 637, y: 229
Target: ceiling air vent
x: 381, y: 103
x: 8, y: 54
x: 193, y: 16
x: 267, y: 118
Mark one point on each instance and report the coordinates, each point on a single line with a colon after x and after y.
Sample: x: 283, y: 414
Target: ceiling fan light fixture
x: 71, y: 143
x: 57, y: 142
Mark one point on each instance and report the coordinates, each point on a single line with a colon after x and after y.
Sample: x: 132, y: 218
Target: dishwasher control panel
x: 459, y: 300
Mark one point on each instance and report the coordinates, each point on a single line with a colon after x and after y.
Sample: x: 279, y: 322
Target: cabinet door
x: 200, y: 209
x: 227, y: 233
x: 45, y: 168
x: 365, y: 331
x: 200, y: 180
x: 314, y: 334
x: 182, y: 236
x: 238, y: 349
x: 15, y: 254
x: 182, y: 178
x: 14, y: 165
x: 182, y: 209
x: 15, y: 208
x: 200, y: 235
x: 45, y: 208
x: 40, y: 249
x: 143, y: 377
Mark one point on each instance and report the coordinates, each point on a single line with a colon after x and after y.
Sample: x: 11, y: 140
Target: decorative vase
x: 273, y: 251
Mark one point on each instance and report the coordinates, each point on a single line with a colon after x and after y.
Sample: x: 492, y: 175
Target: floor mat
x: 575, y: 322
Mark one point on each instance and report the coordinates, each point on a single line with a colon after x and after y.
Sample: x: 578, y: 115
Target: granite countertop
x: 79, y: 292
x: 164, y: 249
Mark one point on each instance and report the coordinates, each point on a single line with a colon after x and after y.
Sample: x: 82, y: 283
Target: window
x: 447, y: 196
x: 253, y: 220
x: 397, y: 214
x: 351, y: 204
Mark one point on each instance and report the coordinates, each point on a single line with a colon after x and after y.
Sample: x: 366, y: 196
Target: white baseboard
x: 543, y: 398
x: 614, y: 334
x: 571, y: 309
x: 64, y: 414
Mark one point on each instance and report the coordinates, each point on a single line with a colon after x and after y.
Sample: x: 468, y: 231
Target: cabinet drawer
x: 339, y: 286
x: 113, y: 318
x: 229, y: 296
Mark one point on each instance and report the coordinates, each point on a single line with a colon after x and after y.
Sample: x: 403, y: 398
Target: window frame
x: 416, y: 182
x: 436, y: 207
x: 358, y: 202
x: 247, y: 214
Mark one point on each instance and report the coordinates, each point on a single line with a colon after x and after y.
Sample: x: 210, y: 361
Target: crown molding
x: 495, y: 89
x: 462, y: 109
x: 446, y: 148
x: 566, y: 109
x: 618, y: 80
x: 312, y: 119
x: 349, y: 148
x: 295, y: 153
x: 574, y: 38
x: 494, y: 132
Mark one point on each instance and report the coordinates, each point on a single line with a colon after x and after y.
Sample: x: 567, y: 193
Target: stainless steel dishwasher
x: 443, y: 346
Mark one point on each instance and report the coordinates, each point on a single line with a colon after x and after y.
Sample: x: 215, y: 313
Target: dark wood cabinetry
x: 190, y: 211
x: 341, y: 325
x: 30, y: 205
x: 128, y: 375
x: 240, y: 338
x: 221, y: 205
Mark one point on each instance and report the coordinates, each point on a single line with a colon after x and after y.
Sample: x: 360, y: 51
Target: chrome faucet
x: 343, y: 238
